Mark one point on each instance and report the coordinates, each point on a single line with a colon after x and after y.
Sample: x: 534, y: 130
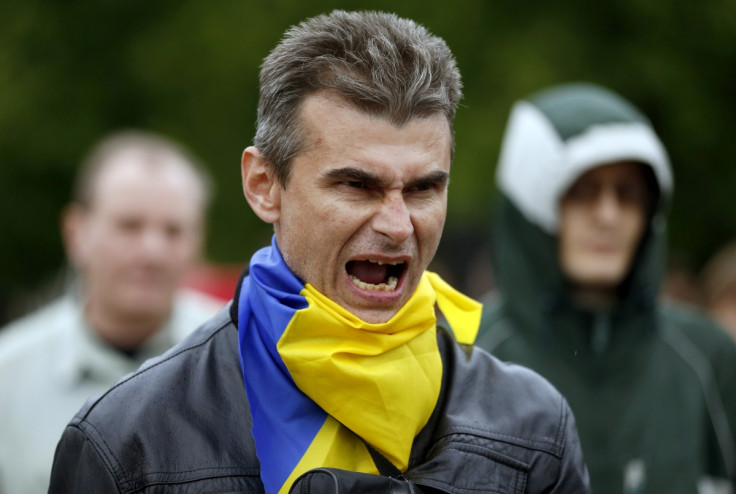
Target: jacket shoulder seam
x: 105, y: 453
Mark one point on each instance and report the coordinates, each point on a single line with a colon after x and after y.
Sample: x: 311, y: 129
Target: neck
x: 594, y: 298
x: 126, y: 332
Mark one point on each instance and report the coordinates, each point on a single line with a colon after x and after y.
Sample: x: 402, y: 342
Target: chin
x: 373, y: 316
x: 146, y: 305
x: 602, y: 282
x: 598, y: 273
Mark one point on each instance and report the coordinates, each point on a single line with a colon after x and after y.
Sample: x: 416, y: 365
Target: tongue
x: 368, y: 272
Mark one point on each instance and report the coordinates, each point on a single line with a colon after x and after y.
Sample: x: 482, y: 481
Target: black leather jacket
x: 181, y: 424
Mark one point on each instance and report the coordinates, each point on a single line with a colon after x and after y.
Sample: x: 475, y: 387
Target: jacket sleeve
x: 572, y: 476
x: 79, y: 468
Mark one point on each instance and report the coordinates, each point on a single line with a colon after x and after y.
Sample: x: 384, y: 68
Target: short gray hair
x: 383, y: 65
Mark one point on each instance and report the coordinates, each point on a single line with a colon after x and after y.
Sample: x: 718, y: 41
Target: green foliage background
x: 72, y: 70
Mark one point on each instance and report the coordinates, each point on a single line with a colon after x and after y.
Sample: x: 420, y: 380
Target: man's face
x: 363, y: 211
x: 602, y: 219
x: 137, y: 238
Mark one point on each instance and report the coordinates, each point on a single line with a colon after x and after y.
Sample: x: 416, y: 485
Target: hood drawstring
x: 600, y: 337
x: 549, y: 303
x: 647, y: 301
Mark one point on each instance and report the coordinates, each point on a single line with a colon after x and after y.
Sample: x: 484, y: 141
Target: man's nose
x: 608, y: 205
x: 154, y: 243
x: 393, y: 219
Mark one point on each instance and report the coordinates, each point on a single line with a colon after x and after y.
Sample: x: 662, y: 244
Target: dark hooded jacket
x: 652, y: 385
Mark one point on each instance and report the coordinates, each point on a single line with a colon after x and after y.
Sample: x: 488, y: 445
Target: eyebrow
x: 439, y: 177
x: 354, y: 175
x: 372, y: 180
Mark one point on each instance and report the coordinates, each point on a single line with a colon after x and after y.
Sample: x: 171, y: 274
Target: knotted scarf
x: 319, y: 379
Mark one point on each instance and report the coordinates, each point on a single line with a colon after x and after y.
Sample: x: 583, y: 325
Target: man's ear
x: 260, y: 185
x: 73, y: 219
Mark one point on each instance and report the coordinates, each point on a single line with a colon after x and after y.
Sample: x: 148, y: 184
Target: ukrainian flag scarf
x: 319, y: 379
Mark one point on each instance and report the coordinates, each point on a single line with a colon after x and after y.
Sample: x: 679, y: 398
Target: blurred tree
x: 72, y: 70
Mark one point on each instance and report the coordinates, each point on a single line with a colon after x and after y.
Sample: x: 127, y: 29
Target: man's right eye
x: 583, y: 191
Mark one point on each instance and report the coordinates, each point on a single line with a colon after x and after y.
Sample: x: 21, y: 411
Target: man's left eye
x: 355, y: 184
x: 424, y: 187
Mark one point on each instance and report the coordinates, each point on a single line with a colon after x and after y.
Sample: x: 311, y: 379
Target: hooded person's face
x: 602, y: 219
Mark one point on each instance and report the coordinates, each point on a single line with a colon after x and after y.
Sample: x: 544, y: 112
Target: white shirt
x: 50, y: 364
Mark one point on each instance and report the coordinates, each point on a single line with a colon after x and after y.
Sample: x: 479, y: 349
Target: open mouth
x: 375, y: 275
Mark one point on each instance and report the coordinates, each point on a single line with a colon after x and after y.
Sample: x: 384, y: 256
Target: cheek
x: 428, y: 225
x: 114, y: 252
x: 565, y: 256
x: 567, y: 248
x: 303, y: 233
x: 316, y: 220
x: 635, y: 231
x: 185, y: 246
x: 102, y: 249
x: 573, y: 229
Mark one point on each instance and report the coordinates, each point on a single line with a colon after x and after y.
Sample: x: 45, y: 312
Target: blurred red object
x: 216, y: 280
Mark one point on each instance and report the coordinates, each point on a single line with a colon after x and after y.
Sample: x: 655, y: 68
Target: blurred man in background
x: 133, y: 230
x: 718, y: 280
x: 578, y: 258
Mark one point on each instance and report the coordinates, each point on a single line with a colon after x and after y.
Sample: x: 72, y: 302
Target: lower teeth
x: 393, y: 281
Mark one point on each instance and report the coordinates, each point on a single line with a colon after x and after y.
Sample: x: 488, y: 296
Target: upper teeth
x: 380, y: 263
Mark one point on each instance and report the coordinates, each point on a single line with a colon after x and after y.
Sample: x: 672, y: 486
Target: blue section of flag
x: 285, y: 421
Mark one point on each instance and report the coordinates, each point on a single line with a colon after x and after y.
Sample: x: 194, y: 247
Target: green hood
x: 551, y: 139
